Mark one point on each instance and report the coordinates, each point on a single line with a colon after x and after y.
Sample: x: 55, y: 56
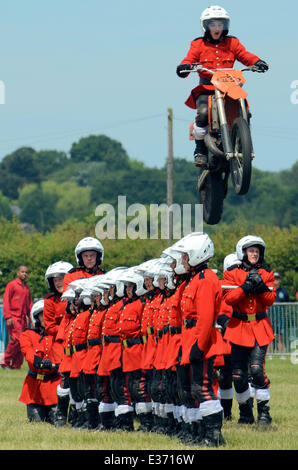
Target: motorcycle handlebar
x: 236, y: 287
x: 200, y: 68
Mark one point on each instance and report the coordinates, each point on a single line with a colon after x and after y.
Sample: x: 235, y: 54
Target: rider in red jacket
x: 53, y: 313
x: 249, y: 330
x: 39, y: 391
x: 200, y: 339
x: 89, y: 254
x: 215, y: 50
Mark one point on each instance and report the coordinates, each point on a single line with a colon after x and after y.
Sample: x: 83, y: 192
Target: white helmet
x: 112, y: 278
x: 214, y: 12
x: 164, y: 271
x: 131, y: 276
x: 58, y: 269
x: 148, y: 268
x: 246, y: 242
x: 68, y: 295
x: 171, y: 253
x: 78, y: 285
x: 89, y: 244
x: 198, y: 246
x: 36, y: 309
x: 231, y: 260
x: 90, y: 288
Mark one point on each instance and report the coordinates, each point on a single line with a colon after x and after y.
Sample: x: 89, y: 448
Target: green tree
x: 98, y: 148
x: 18, y: 169
x: 50, y: 161
x: 37, y: 207
x: 5, y: 209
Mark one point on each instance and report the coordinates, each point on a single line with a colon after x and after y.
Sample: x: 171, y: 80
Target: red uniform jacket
x: 78, y: 342
x: 215, y: 56
x: 36, y: 390
x: 175, y: 327
x: 200, y: 303
x: 111, y: 348
x: 53, y: 312
x: 64, y: 337
x: 94, y: 340
x: 161, y: 327
x: 17, y: 301
x: 130, y: 332
x: 245, y: 333
x: 77, y: 273
x: 147, y: 329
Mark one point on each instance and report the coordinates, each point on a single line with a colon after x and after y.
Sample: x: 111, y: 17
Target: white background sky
x: 72, y: 68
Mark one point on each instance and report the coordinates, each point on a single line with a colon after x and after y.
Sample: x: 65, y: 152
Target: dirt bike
x: 228, y: 140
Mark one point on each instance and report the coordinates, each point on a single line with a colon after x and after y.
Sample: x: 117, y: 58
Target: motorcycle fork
x: 225, y: 133
x: 243, y: 112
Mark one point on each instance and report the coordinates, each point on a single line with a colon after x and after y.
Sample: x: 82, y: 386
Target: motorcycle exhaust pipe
x: 211, y: 145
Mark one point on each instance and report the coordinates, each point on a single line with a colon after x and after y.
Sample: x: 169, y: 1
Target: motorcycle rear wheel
x: 240, y: 164
x: 211, y: 196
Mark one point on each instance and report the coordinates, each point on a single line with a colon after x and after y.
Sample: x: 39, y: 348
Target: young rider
x: 249, y: 330
x: 215, y: 50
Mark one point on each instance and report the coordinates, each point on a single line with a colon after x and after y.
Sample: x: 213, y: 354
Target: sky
x: 74, y: 68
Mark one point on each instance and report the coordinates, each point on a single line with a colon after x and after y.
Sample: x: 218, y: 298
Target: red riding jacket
x: 200, y: 306
x: 215, y: 56
x: 40, y: 385
x: 94, y: 340
x: 245, y: 333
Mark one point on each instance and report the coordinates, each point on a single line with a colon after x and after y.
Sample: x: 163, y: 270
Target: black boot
x: 197, y: 433
x: 36, y: 413
x: 51, y: 414
x: 92, y: 414
x: 82, y: 419
x: 171, y: 425
x: 62, y: 410
x: 157, y: 424
x: 125, y: 422
x: 201, y: 153
x: 264, y: 418
x: 107, y: 421
x: 182, y: 430
x: 227, y: 408
x: 246, y: 414
x: 188, y: 433
x: 213, y: 436
x: 72, y: 414
x: 146, y: 422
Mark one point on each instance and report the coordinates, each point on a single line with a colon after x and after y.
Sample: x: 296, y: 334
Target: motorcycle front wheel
x: 212, y: 195
x: 240, y: 164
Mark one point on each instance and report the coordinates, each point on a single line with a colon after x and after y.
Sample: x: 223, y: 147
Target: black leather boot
x: 264, y: 418
x: 213, y: 436
x: 201, y: 153
x: 187, y: 434
x: 246, y: 414
x: 62, y: 410
x: 92, y: 414
x: 146, y: 422
x: 197, y: 433
x: 107, y: 421
x: 227, y: 408
x: 72, y: 414
x: 82, y: 418
x: 125, y: 422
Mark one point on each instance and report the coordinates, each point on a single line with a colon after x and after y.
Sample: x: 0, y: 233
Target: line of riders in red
x: 166, y: 341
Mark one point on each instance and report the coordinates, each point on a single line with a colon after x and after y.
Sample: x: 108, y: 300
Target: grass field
x: 16, y: 433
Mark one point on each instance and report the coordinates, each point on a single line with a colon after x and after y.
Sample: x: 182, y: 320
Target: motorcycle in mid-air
x: 228, y: 140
